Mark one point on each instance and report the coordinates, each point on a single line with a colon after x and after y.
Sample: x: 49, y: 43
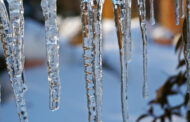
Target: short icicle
x: 52, y: 48
x: 142, y: 19
x: 8, y: 43
x: 119, y: 7
x: 152, y: 16
x: 177, y: 12
x: 97, y: 6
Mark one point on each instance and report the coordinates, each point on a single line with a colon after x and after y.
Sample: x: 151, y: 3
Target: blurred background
x: 162, y: 63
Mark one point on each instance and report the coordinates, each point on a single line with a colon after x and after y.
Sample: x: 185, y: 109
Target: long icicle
x: 177, y: 12
x: 22, y: 29
x: 17, y: 19
x: 8, y: 47
x: 88, y: 56
x: 186, y: 44
x: 182, y: 9
x: 22, y: 36
x: 142, y: 19
x: 119, y: 14
x: 152, y: 16
x: 97, y: 6
x: 52, y: 47
x: 128, y: 31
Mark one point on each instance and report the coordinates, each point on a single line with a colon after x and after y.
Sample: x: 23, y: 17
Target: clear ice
x: 127, y: 17
x: 142, y: 19
x: 88, y: 55
x: 177, y: 5
x: 122, y: 18
x: 52, y: 47
x: 91, y: 14
x: 16, y: 11
x: 97, y: 6
x: 8, y: 42
x: 182, y: 9
x: 152, y: 16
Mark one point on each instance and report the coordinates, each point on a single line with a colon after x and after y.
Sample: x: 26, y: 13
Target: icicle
x: 182, y: 9
x: 97, y: 6
x: 152, y: 17
x: 17, y: 19
x: 177, y: 12
x: 22, y: 37
x: 0, y: 94
x: 88, y: 55
x: 142, y: 19
x: 52, y: 45
x: 119, y: 14
x: 186, y: 44
x: 22, y: 29
x: 8, y: 47
x: 128, y: 31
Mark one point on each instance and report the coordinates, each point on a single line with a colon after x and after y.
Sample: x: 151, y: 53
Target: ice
x: 52, y: 47
x: 182, y: 9
x: 152, y: 16
x: 122, y: 22
x: 186, y: 47
x: 16, y: 12
x: 177, y: 12
x: 8, y: 43
x: 142, y: 19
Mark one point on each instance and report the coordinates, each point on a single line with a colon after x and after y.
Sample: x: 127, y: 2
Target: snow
x: 162, y: 63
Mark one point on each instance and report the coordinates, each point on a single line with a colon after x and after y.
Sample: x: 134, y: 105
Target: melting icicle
x: 8, y: 47
x: 182, y: 9
x: 52, y: 45
x: 17, y: 19
x: 152, y: 17
x: 177, y: 12
x: 97, y: 6
x: 186, y: 43
x: 119, y: 14
x: 128, y: 31
x: 142, y: 19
